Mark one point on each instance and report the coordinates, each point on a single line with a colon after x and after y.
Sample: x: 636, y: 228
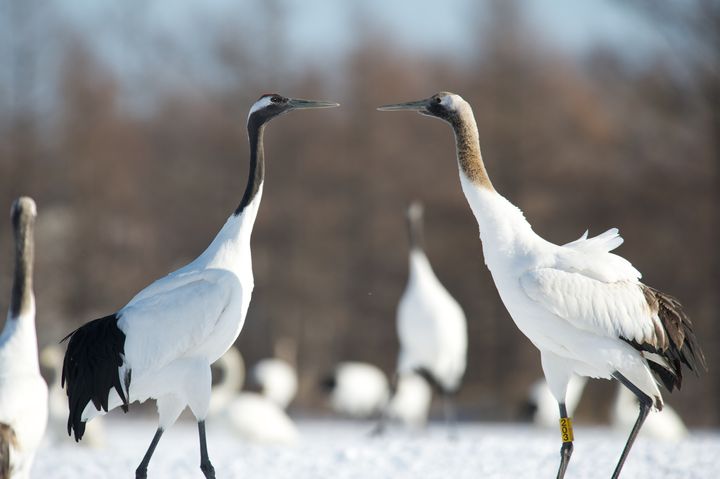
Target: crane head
x: 270, y: 105
x: 22, y: 213
x: 443, y: 105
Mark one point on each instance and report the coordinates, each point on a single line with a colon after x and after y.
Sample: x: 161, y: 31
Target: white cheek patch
x: 451, y: 102
x: 260, y: 104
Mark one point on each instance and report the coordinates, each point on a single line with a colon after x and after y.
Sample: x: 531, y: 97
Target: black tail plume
x: 679, y: 346
x: 91, y: 369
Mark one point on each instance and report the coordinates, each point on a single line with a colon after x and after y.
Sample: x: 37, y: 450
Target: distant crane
x: 255, y: 417
x: 161, y: 344
x: 277, y: 379
x: 583, y: 307
x: 410, y: 403
x: 23, y: 392
x: 431, y: 325
x: 357, y: 389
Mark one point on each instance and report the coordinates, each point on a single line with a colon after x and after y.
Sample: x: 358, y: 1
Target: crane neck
x: 22, y: 292
x: 256, y: 176
x: 419, y: 266
x: 415, y: 232
x: 467, y: 142
x: 18, y: 341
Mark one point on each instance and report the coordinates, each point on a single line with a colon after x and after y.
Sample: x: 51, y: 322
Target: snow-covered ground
x: 343, y: 450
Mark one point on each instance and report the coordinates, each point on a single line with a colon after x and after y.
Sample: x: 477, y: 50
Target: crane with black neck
x: 162, y: 343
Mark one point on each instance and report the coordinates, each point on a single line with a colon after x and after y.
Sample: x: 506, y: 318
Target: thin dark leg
x: 645, y: 405
x: 567, y: 437
x: 141, y: 471
x: 381, y: 425
x: 450, y: 415
x: 205, y: 465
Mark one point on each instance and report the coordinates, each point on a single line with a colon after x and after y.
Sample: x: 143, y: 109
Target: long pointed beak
x: 298, y: 104
x: 420, y: 105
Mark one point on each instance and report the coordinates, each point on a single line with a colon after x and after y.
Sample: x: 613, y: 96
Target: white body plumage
x: 573, y: 301
x: 23, y: 392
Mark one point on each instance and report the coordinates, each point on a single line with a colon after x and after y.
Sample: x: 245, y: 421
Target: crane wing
x: 164, y: 326
x: 591, y: 257
x: 616, y: 309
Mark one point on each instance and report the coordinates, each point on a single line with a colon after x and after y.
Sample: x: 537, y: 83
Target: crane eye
x: 438, y: 100
x: 276, y: 99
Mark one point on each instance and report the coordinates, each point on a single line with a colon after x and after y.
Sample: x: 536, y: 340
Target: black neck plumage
x: 256, y: 127
x: 22, y: 282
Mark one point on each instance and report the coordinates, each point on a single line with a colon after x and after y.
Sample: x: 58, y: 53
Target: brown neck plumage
x: 468, y: 150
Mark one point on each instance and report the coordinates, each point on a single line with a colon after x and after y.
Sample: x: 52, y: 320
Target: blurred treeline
x: 134, y: 170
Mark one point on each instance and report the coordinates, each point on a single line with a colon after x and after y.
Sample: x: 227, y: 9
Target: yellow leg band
x: 566, y: 430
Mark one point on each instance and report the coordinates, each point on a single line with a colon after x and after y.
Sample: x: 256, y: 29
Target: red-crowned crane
x: 582, y: 306
x: 162, y: 343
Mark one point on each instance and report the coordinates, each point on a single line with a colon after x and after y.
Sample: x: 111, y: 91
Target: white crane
x: 252, y: 416
x: 161, y: 344
x: 357, y: 389
x: 51, y: 358
x: 431, y: 325
x: 23, y: 392
x: 583, y: 307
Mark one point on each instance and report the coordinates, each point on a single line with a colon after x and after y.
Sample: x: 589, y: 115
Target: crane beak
x: 298, y: 104
x: 420, y: 105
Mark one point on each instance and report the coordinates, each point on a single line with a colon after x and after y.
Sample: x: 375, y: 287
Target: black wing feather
x: 91, y: 369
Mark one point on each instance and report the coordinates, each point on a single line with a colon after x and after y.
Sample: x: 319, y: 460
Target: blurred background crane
x: 122, y: 119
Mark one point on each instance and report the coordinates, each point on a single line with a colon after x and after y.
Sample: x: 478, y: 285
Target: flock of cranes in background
x: 583, y: 307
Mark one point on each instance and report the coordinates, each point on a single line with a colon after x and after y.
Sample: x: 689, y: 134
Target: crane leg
x: 566, y: 433
x: 646, y: 403
x: 205, y: 465
x: 381, y: 425
x: 450, y: 413
x: 141, y: 471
